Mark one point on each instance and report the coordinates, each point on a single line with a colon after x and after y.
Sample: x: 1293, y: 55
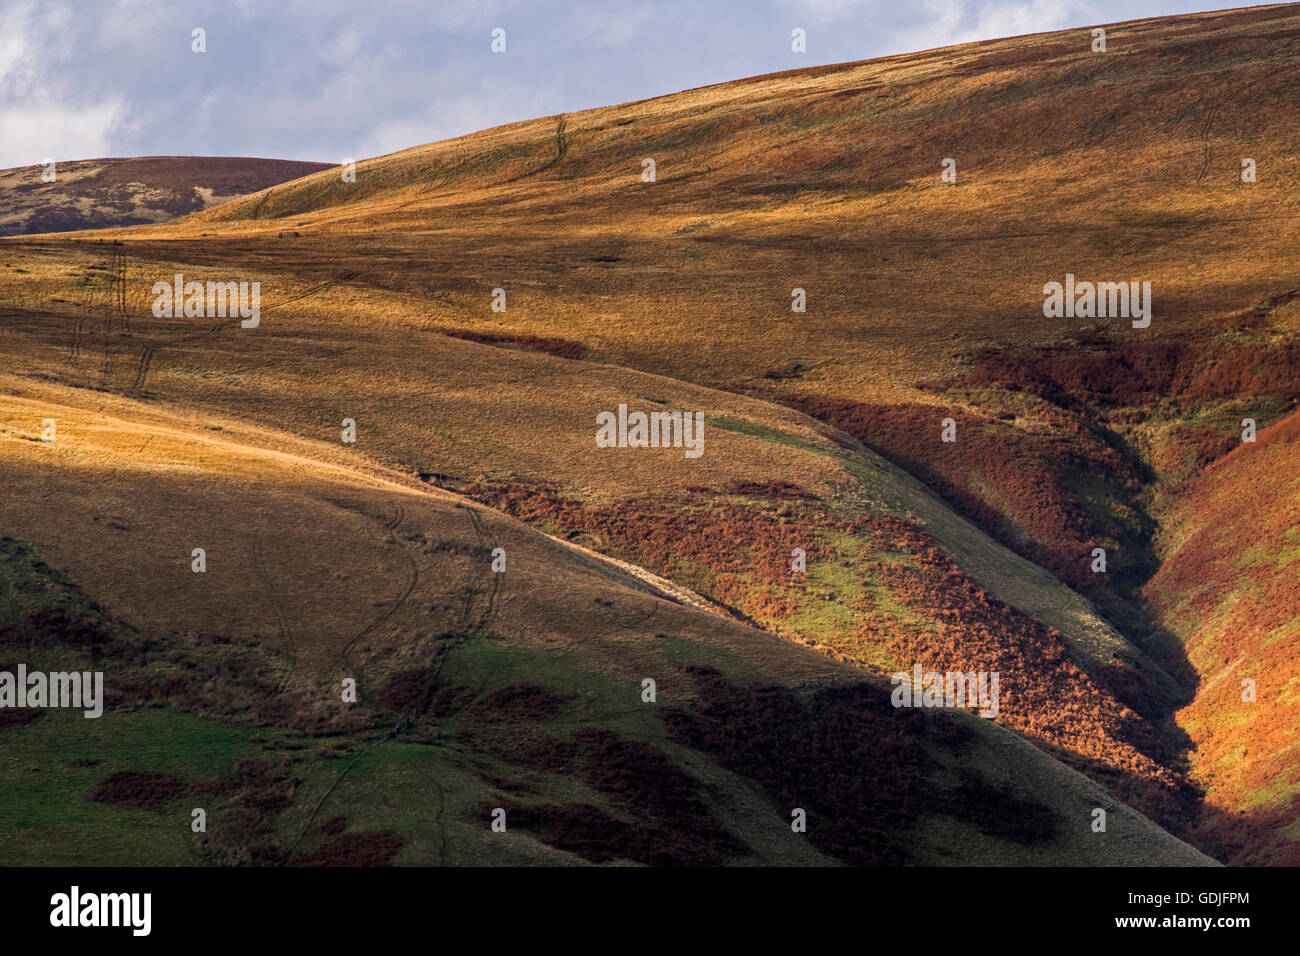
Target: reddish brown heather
x: 54, y: 625
x: 1012, y: 483
x: 671, y: 825
x: 1043, y: 693
x: 517, y: 703
x: 737, y: 553
x: 18, y: 716
x: 643, y: 778
x: 1094, y: 374
x: 333, y: 826
x: 146, y: 789
x: 1119, y: 372
x: 1203, y: 444
x: 376, y: 848
x: 409, y: 692
x: 846, y: 757
x: 584, y: 830
x: 1092, y: 720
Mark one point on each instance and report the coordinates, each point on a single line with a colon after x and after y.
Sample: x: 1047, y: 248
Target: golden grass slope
x: 1236, y: 611
x: 1118, y: 165
x: 426, y: 403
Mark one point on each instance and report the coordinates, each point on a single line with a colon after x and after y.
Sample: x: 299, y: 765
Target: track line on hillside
x: 325, y: 796
x: 412, y: 582
x: 374, y: 745
x: 78, y: 331
x: 378, y: 478
x: 495, y: 589
x: 259, y: 567
x: 391, y: 525
x: 1207, y: 149
x: 411, y: 717
x: 561, y: 150
x: 147, y: 356
x: 442, y: 827
x: 1208, y: 125
x: 149, y: 353
x: 561, y: 144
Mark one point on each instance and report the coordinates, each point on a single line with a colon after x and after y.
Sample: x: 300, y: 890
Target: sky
x: 330, y: 80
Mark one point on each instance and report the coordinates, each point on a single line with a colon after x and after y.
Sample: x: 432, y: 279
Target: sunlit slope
x: 316, y: 571
x: 1237, y: 611
x: 1117, y: 166
x: 520, y: 424
x: 454, y: 411
x: 1114, y: 166
x: 129, y: 469
x: 518, y: 429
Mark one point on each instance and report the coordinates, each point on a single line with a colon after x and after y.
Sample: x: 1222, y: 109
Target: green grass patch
x: 696, y: 225
x: 53, y: 765
x: 763, y: 433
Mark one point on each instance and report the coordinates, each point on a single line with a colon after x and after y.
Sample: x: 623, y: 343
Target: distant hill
x: 97, y: 193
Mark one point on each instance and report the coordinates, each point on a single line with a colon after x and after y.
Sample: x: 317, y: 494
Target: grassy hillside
x: 824, y: 429
x: 521, y: 690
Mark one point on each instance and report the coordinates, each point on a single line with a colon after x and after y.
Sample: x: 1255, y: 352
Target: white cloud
x: 29, y: 134
x: 43, y: 113
x: 616, y: 29
x: 826, y: 10
x: 460, y: 114
x: 947, y: 23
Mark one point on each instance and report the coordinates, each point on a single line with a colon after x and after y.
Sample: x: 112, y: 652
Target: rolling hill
x: 521, y: 688
x: 824, y: 432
